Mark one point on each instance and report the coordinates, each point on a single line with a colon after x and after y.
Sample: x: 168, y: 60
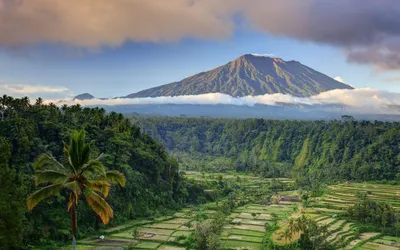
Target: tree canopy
x: 305, y: 150
x: 37, y: 131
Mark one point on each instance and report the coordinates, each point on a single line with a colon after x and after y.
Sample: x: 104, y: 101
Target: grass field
x: 330, y: 208
x: 245, y: 226
x: 342, y: 196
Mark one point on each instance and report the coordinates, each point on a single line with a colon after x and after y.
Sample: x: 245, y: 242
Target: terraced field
x: 342, y: 196
x: 245, y: 180
x: 341, y: 232
x: 164, y: 233
x: 329, y: 209
x: 247, y: 231
x: 245, y: 227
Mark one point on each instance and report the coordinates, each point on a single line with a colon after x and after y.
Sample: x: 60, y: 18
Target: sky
x: 57, y: 49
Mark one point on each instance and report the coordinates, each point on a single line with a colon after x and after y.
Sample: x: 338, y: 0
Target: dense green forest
x: 305, y: 150
x: 153, y: 182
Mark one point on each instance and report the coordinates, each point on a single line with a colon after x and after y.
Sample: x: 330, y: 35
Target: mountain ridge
x: 84, y: 96
x: 252, y: 75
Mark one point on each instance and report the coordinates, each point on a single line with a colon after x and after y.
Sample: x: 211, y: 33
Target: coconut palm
x: 79, y: 175
x: 287, y: 235
x: 292, y: 225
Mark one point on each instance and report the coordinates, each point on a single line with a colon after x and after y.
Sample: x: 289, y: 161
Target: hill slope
x: 315, y: 150
x: 153, y: 183
x: 251, y: 75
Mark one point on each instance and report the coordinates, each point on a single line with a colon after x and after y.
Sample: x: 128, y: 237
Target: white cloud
x: 364, y: 100
x: 263, y: 55
x: 33, y: 91
x: 30, y: 89
x: 339, y: 79
x: 372, y: 38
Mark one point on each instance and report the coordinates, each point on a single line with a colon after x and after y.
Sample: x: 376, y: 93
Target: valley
x: 196, y: 183
x: 199, y: 125
x: 258, y: 220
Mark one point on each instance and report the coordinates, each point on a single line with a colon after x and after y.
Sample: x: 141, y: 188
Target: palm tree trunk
x: 74, y: 226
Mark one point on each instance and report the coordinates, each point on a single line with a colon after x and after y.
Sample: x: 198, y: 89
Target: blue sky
x: 119, y: 71
x: 116, y: 60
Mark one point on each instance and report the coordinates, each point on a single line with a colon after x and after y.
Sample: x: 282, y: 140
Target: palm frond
x: 50, y: 176
x: 67, y: 153
x: 78, y: 151
x: 47, y: 162
x: 73, y: 186
x: 85, y: 154
x: 79, y: 147
x: 116, y: 177
x: 42, y: 194
x: 73, y: 200
x: 99, y: 185
x: 99, y: 205
x: 76, y: 191
x: 94, y: 167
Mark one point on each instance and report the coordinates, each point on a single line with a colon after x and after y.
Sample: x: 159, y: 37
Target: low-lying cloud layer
x: 367, y: 30
x: 32, y: 90
x: 364, y: 100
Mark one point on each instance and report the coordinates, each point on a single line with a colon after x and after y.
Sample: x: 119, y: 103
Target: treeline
x: 381, y: 214
x: 305, y: 150
x: 153, y: 181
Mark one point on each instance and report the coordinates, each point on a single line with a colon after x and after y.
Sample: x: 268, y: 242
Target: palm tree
x: 79, y: 175
x: 287, y: 235
x: 292, y: 227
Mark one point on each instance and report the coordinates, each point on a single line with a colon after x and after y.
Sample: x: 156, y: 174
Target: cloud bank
x: 32, y: 90
x: 363, y: 100
x: 367, y: 30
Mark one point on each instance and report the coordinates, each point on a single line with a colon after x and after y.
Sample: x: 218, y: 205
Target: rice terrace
x: 258, y: 220
x: 199, y: 124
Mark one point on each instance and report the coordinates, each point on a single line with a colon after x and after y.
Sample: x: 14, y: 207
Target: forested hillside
x: 153, y: 183
x: 306, y: 150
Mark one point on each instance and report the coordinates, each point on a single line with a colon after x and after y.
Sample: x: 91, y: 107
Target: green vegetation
x: 80, y: 175
x: 379, y: 213
x: 358, y: 215
x: 153, y: 182
x: 262, y: 184
x: 223, y: 224
x: 311, y: 152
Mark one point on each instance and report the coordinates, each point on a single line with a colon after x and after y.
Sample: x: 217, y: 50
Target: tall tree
x: 77, y: 175
x: 11, y: 201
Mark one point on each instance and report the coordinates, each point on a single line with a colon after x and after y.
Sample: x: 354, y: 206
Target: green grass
x: 165, y: 226
x: 250, y: 228
x: 245, y: 238
x: 391, y: 238
x: 234, y: 244
x: 147, y: 245
x: 177, y: 221
x: 252, y: 222
x: 181, y: 233
x: 376, y: 246
x: 246, y: 232
x: 125, y: 234
x: 156, y: 231
x: 80, y: 247
x: 167, y: 247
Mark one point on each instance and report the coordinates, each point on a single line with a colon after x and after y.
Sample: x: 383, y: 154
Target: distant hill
x: 84, y: 96
x: 251, y: 75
